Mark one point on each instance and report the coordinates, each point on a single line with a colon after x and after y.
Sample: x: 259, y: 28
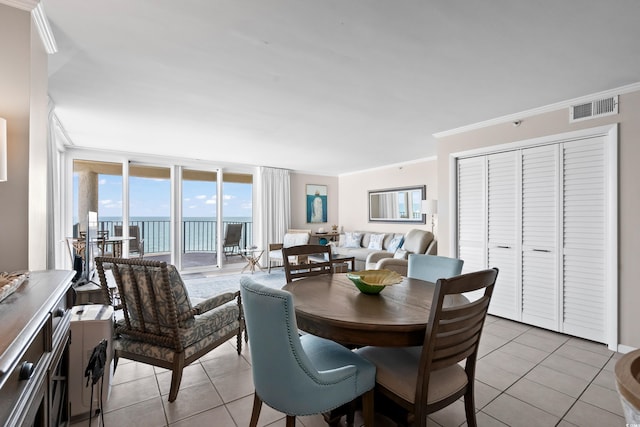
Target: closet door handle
x: 541, y: 250
x: 504, y: 247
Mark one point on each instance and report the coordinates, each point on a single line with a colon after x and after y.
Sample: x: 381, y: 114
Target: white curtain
x: 275, y: 204
x: 54, y: 236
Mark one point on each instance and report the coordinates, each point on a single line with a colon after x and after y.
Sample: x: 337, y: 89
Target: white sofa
x: 366, y: 257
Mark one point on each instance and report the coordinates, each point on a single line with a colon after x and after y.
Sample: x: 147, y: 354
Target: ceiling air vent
x: 593, y: 109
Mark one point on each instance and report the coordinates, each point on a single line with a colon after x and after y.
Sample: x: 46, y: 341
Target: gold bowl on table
x: 372, y: 282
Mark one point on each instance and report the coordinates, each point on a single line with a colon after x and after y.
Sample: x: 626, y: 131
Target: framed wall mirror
x: 397, y: 205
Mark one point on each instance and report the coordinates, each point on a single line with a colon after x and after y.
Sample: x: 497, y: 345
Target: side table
x: 252, y: 256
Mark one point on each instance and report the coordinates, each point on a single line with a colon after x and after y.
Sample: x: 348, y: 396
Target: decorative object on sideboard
x: 430, y: 207
x: 3, y: 150
x: 9, y: 282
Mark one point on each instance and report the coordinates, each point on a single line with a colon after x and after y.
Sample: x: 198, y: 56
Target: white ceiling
x: 323, y: 86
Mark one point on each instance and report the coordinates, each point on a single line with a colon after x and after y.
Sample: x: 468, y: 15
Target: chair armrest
x: 274, y: 246
x: 400, y: 266
x: 374, y: 257
x: 215, y: 301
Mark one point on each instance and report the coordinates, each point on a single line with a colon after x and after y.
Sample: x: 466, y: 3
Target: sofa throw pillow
x: 401, y: 254
x: 395, y: 243
x: 376, y: 241
x: 352, y: 240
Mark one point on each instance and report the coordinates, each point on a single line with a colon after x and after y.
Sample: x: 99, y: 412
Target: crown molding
x: 27, y: 5
x: 44, y: 29
x: 634, y: 87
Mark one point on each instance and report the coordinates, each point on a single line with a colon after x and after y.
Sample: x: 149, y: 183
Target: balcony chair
x: 136, y: 245
x: 291, y: 238
x: 160, y: 326
x: 425, y: 379
x: 311, y: 260
x: 232, y: 236
x: 298, y: 375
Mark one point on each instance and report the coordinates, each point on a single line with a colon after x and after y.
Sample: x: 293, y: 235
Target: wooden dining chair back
x: 160, y: 326
x: 312, y: 260
x: 423, y: 380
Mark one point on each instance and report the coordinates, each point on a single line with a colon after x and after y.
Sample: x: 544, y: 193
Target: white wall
x: 354, y: 205
x: 557, y: 122
x: 299, y: 183
x: 15, y: 41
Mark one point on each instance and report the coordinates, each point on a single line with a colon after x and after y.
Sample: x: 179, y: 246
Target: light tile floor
x: 525, y: 377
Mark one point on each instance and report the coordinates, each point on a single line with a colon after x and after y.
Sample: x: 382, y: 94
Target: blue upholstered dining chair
x: 432, y: 267
x: 298, y: 375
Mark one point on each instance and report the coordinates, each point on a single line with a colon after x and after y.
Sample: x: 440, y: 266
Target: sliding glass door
x: 199, y: 219
x: 150, y: 210
x: 187, y: 215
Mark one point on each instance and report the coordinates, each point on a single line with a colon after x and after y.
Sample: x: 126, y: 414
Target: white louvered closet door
x: 584, y: 239
x: 540, y: 284
x: 472, y: 213
x: 503, y: 246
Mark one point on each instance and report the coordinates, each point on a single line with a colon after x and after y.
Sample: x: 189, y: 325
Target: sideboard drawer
x: 24, y: 378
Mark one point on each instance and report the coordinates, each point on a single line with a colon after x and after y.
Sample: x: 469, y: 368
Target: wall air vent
x: 593, y: 109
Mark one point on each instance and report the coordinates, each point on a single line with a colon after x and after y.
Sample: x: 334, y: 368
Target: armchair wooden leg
x: 255, y: 412
x: 291, y: 421
x: 176, y: 376
x: 239, y: 339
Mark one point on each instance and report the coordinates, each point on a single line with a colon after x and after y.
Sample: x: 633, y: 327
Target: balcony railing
x: 197, y: 235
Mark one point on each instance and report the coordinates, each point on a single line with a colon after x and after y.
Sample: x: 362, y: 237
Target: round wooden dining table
x: 330, y: 306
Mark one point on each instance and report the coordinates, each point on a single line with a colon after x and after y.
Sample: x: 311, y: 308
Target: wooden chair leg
x: 368, y: 410
x: 239, y: 343
x: 470, y: 408
x: 176, y: 376
x: 291, y: 421
x: 255, y: 412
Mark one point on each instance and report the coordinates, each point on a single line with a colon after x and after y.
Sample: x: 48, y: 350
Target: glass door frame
x: 175, y: 165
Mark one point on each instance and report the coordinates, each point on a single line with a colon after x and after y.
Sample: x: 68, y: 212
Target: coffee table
x: 339, y: 263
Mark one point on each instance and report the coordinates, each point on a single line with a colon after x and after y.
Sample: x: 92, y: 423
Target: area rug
x: 204, y: 287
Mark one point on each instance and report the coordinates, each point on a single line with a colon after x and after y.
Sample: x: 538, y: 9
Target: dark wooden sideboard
x: 34, y: 351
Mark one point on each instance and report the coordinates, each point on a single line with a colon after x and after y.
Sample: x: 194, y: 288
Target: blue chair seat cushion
x: 341, y: 377
x: 326, y: 355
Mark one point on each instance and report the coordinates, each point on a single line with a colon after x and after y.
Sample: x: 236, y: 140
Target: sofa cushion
x: 395, y: 243
x: 375, y: 241
x: 352, y: 240
x: 401, y: 254
x: 416, y: 241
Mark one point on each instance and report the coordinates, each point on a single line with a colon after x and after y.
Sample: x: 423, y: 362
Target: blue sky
x: 151, y: 197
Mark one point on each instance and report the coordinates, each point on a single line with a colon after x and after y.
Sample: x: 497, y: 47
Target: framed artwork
x: 316, y: 203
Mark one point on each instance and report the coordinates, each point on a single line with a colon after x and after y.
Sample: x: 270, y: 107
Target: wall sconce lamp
x: 3, y: 150
x: 430, y: 207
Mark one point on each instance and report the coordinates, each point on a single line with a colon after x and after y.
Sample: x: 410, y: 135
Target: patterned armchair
x: 160, y: 326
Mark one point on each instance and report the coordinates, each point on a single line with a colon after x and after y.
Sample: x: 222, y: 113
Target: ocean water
x: 198, y: 234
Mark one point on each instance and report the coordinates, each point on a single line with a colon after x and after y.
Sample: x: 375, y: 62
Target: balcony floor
x: 203, y: 260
